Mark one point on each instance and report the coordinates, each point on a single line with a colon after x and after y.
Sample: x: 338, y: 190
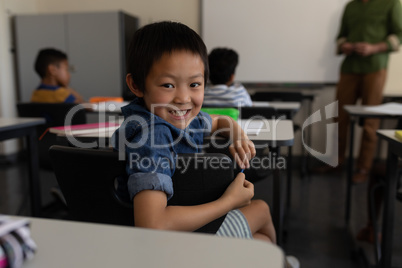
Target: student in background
x: 369, y: 31
x: 52, y: 67
x: 224, y: 91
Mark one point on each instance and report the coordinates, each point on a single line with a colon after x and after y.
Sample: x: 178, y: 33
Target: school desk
x: 66, y: 244
x: 356, y: 113
x: 11, y: 128
x: 391, y: 178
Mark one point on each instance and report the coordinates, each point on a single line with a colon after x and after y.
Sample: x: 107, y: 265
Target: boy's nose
x: 182, y: 96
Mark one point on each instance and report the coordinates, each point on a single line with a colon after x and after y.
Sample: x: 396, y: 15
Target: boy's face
x: 174, y: 87
x: 62, y: 73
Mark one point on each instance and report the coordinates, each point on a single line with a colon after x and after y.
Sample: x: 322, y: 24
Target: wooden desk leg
x: 277, y: 211
x: 33, y: 163
x: 350, y: 170
x: 389, y: 208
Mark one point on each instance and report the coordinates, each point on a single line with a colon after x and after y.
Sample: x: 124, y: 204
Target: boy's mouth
x: 180, y: 113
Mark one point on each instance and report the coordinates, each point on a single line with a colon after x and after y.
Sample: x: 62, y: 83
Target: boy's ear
x: 133, y: 87
x: 52, y: 69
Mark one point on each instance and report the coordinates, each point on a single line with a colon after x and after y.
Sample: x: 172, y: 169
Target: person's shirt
x: 52, y: 94
x: 373, y: 22
x: 226, y: 96
x: 150, y: 145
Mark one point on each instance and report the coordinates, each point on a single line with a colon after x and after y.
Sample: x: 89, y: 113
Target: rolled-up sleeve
x: 138, y: 182
x: 151, y: 165
x: 394, y: 39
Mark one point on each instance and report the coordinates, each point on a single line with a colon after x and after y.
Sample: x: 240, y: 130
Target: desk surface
x: 389, y: 135
x: 279, y: 132
x: 273, y: 132
x: 73, y: 244
x: 278, y: 105
x: 360, y: 110
x: 7, y: 124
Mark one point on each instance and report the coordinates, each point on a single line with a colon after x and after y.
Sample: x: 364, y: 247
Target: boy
x: 52, y: 67
x: 224, y: 91
x: 164, y: 120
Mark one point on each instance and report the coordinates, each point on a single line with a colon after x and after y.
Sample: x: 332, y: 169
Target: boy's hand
x: 239, y: 192
x: 243, y: 151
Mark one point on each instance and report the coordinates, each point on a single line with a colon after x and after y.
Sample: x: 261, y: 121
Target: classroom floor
x: 315, y: 228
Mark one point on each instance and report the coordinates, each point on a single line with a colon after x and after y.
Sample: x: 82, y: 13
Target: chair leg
x: 377, y: 244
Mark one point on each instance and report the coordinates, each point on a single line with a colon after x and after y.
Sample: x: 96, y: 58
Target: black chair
x: 87, y: 178
x: 55, y: 114
x: 277, y: 96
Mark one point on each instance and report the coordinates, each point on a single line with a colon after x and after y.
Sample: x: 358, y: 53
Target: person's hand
x: 239, y: 192
x: 347, y: 48
x: 243, y: 151
x: 365, y: 49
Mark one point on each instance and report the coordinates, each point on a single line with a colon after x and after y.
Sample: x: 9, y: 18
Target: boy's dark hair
x: 46, y: 57
x: 151, y: 41
x: 222, y: 64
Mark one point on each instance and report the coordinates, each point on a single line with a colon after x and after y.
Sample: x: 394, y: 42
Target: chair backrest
x: 277, y: 96
x: 87, y: 178
x: 257, y: 112
x: 55, y: 114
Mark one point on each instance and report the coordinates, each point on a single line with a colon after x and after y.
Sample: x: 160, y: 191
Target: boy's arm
x: 151, y: 210
x: 242, y: 148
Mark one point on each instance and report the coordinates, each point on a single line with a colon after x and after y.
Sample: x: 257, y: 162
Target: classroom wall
x: 185, y: 11
x: 7, y: 82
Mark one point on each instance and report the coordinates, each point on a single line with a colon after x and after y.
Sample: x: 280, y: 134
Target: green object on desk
x: 232, y: 112
x: 398, y: 134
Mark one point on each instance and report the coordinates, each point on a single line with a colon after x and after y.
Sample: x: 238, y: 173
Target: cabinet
x: 96, y: 45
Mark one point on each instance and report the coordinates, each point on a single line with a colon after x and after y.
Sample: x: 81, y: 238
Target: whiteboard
x: 278, y: 41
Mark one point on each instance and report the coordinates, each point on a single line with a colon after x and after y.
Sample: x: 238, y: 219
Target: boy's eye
x: 167, y: 85
x: 195, y: 84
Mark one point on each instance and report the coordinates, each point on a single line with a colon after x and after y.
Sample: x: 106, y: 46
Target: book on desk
x: 83, y: 129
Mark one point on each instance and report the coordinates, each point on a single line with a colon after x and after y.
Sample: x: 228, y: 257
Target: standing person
x: 52, y: 67
x: 369, y: 31
x: 224, y: 91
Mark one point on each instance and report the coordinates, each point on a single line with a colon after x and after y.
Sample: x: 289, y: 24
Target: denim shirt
x: 151, y: 146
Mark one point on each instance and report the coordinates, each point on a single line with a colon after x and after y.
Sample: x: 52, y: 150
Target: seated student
x: 165, y: 120
x: 224, y: 91
x: 52, y: 67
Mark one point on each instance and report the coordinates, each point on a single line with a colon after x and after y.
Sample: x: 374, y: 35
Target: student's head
x: 222, y: 65
x: 168, y: 67
x: 53, y: 65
